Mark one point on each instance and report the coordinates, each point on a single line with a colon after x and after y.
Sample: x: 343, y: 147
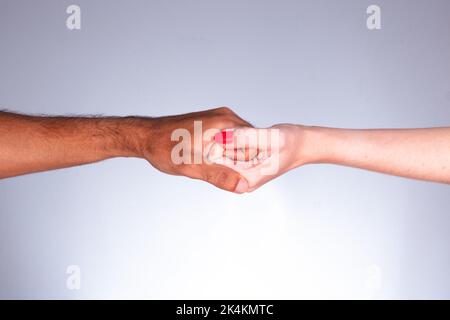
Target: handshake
x: 218, y: 146
x: 221, y: 148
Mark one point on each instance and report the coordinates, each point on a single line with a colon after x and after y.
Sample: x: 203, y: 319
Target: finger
x: 244, y: 144
x: 242, y: 167
x: 224, y: 136
x: 214, y: 150
x: 245, y: 137
x: 246, y: 154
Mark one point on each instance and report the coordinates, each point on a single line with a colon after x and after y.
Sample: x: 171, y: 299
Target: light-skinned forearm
x: 413, y: 153
x: 31, y: 144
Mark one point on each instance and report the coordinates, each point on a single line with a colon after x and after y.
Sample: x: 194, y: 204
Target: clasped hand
x: 226, y: 150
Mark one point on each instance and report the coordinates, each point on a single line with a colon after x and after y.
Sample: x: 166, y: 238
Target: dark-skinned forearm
x: 35, y: 143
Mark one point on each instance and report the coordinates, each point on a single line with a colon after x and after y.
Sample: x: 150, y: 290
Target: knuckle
x: 225, y: 109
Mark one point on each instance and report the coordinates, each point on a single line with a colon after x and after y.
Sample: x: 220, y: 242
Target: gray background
x: 317, y: 232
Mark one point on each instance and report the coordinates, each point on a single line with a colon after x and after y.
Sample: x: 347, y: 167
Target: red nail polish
x: 224, y: 137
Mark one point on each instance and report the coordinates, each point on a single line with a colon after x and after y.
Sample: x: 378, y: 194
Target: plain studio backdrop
x: 319, y: 231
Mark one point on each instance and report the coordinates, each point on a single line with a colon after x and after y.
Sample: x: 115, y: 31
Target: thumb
x: 226, y: 179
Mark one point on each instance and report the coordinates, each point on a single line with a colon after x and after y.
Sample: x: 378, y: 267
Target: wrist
x: 313, y: 146
x: 134, y: 136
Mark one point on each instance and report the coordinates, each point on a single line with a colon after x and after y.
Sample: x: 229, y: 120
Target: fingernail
x: 242, y: 186
x: 224, y: 137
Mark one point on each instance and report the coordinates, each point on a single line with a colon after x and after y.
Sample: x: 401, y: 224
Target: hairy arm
x: 413, y: 153
x: 32, y: 144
